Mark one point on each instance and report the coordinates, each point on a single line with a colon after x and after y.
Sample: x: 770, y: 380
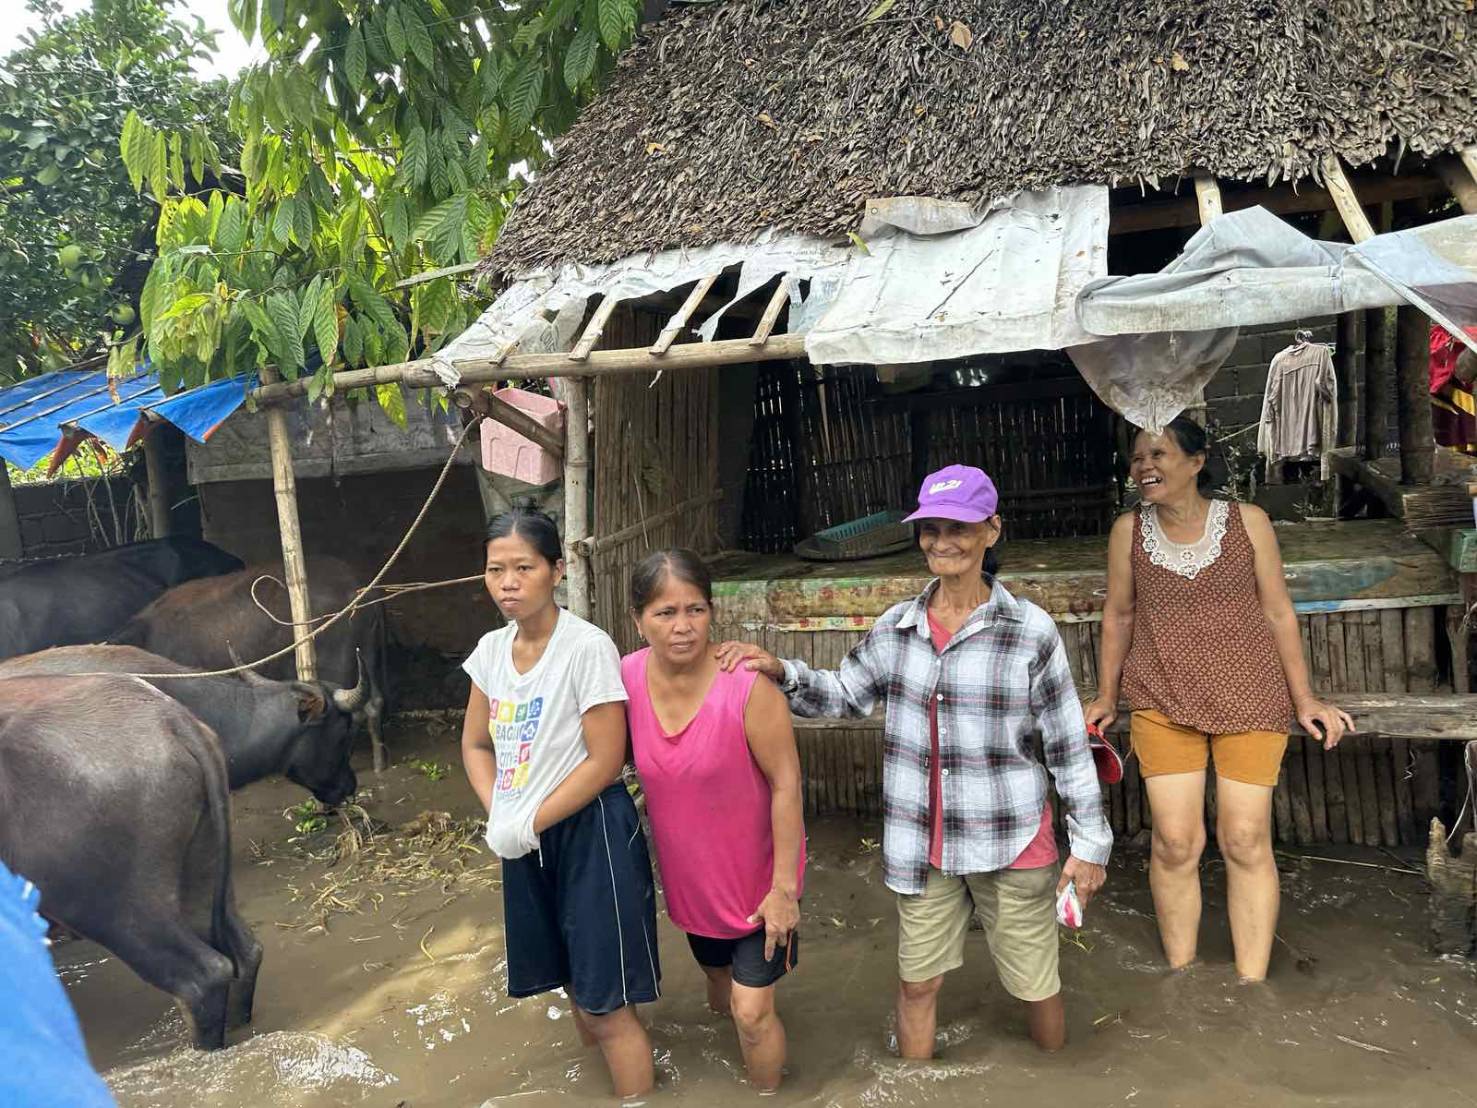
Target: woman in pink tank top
x: 717, y: 759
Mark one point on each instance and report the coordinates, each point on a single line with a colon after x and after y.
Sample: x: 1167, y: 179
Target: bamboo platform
x: 1378, y: 610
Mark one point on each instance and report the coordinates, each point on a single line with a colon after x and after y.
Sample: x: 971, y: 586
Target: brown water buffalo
x: 76, y: 600
x: 200, y: 622
x: 114, y: 801
x: 303, y: 730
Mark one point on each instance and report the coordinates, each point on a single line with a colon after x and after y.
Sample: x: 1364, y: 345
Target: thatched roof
x: 737, y: 115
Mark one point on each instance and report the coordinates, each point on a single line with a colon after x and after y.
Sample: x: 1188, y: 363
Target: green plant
x: 308, y: 818
x: 431, y: 771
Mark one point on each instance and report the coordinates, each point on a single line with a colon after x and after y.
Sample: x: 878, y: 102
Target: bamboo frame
x: 496, y: 408
x: 576, y: 495
x: 594, y: 545
x: 1346, y: 200
x: 771, y: 315
x: 677, y: 322
x: 593, y: 330
x: 284, y: 485
x: 1208, y: 197
x: 1459, y: 178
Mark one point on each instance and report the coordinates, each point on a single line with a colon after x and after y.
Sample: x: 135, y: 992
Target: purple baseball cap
x: 957, y: 492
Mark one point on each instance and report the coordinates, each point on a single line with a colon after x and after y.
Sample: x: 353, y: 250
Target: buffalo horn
x: 351, y: 700
x: 250, y: 676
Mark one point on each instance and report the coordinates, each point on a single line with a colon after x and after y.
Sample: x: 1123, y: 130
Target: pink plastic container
x: 506, y: 452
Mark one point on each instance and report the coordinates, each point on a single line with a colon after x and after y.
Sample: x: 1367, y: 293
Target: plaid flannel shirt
x: 1002, y: 678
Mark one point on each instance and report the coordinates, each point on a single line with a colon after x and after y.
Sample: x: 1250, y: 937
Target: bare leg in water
x: 1253, y: 894
x: 917, y: 1019
x: 625, y: 1046
x: 1177, y: 805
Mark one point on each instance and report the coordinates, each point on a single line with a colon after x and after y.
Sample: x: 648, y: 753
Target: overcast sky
x: 231, y: 55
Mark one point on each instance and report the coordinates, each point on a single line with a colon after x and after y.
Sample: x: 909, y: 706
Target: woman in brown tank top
x: 1201, y: 640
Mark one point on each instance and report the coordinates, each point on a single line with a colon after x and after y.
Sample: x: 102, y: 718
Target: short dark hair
x: 534, y: 527
x: 656, y: 567
x: 1192, y: 439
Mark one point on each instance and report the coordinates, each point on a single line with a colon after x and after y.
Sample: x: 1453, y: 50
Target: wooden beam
x: 615, y: 538
x: 1413, y: 396
x: 771, y: 314
x: 1469, y: 159
x: 534, y: 367
x: 284, y: 484
x: 677, y: 322
x: 1208, y: 197
x: 593, y: 330
x: 1459, y: 179
x: 1421, y: 507
x: 1446, y: 716
x: 488, y: 403
x: 1346, y: 200
x: 434, y: 274
x: 157, y: 474
x: 1155, y: 215
x: 10, y: 520
x: 577, y: 494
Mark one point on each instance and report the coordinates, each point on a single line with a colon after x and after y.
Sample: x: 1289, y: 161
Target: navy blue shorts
x: 581, y: 910
x: 744, y: 957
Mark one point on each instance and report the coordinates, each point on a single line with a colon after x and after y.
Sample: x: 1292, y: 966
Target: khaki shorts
x: 1018, y: 909
x: 1251, y: 757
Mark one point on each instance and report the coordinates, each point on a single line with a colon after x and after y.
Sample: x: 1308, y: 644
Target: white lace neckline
x: 1185, y: 559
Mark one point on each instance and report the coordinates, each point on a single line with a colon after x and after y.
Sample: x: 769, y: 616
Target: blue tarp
x: 49, y: 415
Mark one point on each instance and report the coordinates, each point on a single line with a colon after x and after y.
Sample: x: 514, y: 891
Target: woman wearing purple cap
x: 967, y: 674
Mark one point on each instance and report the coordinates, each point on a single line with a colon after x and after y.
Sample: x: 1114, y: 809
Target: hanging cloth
x: 1300, y: 409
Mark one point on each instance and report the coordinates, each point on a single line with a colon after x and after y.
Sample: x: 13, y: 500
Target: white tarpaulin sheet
x: 1165, y: 334
x: 934, y: 281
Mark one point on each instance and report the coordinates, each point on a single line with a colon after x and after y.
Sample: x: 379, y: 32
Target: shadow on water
x: 403, y: 1000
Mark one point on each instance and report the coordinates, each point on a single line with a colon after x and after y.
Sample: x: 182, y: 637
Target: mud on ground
x: 384, y: 985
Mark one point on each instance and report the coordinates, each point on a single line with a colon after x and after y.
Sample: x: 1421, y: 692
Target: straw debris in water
x: 370, y: 862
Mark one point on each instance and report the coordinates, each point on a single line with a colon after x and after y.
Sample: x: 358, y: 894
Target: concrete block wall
x: 1234, y: 395
x: 54, y: 517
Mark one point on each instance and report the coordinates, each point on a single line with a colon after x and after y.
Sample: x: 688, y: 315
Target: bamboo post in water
x: 576, y: 493
x: 284, y: 484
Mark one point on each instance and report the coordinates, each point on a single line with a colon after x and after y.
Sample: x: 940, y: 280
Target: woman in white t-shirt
x: 543, y: 745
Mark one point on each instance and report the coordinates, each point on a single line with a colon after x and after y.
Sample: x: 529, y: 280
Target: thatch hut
x: 799, y: 253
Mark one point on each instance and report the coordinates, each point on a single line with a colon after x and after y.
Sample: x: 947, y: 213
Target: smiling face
x: 955, y: 549
x: 519, y: 579
x: 676, y: 621
x: 1161, y: 469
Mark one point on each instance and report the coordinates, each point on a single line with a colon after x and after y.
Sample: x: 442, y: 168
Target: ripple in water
x: 282, y: 1069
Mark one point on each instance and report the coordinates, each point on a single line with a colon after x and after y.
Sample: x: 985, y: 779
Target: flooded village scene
x: 862, y: 553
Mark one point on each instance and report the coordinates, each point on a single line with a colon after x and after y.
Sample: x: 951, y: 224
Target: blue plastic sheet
x: 49, y: 415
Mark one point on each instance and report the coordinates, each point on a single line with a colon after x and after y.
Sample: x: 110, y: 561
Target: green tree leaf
x: 525, y: 88
x: 418, y: 38
x: 579, y: 62
x: 414, y: 158
x: 353, y: 342
x: 617, y: 18
x: 159, y: 166
x: 325, y: 323
x: 395, y: 33
x: 392, y: 402
x: 355, y: 59
x: 282, y: 309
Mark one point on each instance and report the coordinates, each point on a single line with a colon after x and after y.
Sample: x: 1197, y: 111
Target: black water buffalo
x: 116, y: 805
x: 303, y: 730
x: 198, y: 623
x: 75, y: 600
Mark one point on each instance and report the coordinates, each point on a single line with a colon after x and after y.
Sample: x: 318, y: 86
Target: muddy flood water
x: 384, y: 985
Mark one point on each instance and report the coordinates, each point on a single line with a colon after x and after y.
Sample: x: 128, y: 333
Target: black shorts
x: 581, y: 910
x: 746, y: 957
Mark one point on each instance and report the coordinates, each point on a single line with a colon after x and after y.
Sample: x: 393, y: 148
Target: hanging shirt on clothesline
x: 1300, y: 409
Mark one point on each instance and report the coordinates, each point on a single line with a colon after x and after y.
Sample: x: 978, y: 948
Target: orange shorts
x: 1253, y: 757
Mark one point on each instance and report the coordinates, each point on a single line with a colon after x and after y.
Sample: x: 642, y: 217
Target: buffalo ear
x: 311, y: 703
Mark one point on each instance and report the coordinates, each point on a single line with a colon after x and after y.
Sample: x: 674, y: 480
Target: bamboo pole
x: 538, y: 367
x: 1346, y: 200
x: 1469, y: 159
x: 284, y: 484
x: 594, y: 330
x: 596, y: 544
x: 677, y: 322
x: 515, y: 418
x: 158, y: 477
x: 10, y: 520
x: 772, y: 310
x: 576, y: 495
x: 1207, y: 197
x: 1413, y: 396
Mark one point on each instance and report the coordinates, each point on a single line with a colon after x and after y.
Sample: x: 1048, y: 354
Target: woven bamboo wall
x: 1375, y: 792
x: 653, y: 448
